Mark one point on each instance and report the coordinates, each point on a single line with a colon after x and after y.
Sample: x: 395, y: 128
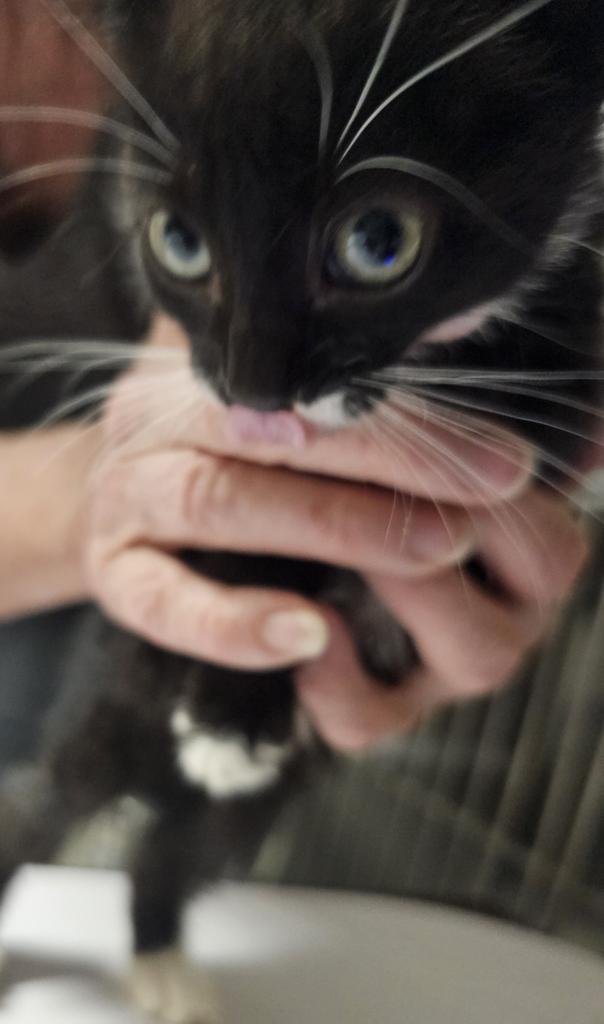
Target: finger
x: 534, y: 547
x: 439, y: 466
x: 466, y: 639
x: 349, y: 710
x: 183, y: 499
x: 474, y: 468
x: 155, y: 596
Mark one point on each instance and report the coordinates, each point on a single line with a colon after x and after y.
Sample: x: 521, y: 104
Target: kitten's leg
x: 180, y: 855
x: 162, y: 982
x: 169, y: 988
x: 385, y: 649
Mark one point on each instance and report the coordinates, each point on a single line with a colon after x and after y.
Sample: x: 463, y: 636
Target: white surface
x: 293, y: 957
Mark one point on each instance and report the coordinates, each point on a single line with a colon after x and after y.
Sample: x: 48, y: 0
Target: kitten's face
x: 299, y: 266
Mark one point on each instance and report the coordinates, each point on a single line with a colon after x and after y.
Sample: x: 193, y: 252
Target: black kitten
x: 318, y: 219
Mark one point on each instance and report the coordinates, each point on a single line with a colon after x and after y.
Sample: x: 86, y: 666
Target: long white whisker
x: 504, y: 387
x: 483, y: 488
x: 25, y: 377
x: 58, y: 359
x: 497, y: 28
x: 65, y: 409
x: 78, y: 364
x: 464, y: 424
x: 580, y: 245
x: 84, y: 349
x: 86, y: 425
x: 464, y: 196
x: 180, y: 415
x: 495, y: 410
x: 464, y: 472
x: 532, y: 328
x: 451, y: 374
x: 28, y: 372
x: 76, y: 165
x: 72, y: 25
x: 86, y: 119
x: 317, y: 51
x: 398, y: 13
x: 371, y: 427
x: 96, y: 396
x: 89, y: 422
x: 382, y: 423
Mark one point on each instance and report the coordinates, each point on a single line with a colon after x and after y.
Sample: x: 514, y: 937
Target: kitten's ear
x: 577, y: 28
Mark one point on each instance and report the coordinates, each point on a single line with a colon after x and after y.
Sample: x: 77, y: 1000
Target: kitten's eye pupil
x: 376, y: 248
x: 178, y: 247
x: 379, y: 236
x: 180, y: 238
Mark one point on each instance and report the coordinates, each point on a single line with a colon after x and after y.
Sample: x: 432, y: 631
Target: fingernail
x: 296, y: 634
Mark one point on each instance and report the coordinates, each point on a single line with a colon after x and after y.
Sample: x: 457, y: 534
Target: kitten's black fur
x: 516, y: 121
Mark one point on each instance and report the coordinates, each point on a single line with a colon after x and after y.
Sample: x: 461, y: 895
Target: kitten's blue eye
x: 180, y: 249
x: 378, y: 247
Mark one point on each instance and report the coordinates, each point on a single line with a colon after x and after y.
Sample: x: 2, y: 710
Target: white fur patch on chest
x: 225, y: 765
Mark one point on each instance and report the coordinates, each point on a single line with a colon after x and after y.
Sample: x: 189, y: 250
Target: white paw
x: 225, y: 765
x: 168, y: 988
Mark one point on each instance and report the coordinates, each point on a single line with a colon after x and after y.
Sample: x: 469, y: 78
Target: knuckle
x: 334, y: 520
x: 146, y: 598
x: 208, y: 494
x: 216, y: 629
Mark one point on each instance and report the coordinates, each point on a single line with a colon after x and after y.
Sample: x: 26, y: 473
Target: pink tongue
x: 269, y: 427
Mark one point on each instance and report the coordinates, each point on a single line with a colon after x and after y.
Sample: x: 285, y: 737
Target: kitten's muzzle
x: 284, y: 428
x: 255, y: 402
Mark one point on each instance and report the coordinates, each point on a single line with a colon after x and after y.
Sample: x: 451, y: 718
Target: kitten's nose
x: 256, y: 400
x: 256, y: 373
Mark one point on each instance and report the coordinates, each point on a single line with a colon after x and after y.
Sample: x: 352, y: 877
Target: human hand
x: 176, y: 473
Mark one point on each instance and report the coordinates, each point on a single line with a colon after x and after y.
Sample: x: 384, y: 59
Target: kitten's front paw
x: 170, y: 989
x: 226, y: 765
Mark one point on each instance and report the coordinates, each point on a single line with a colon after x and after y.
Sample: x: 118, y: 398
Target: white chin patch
x: 329, y: 412
x: 166, y: 987
x: 225, y: 766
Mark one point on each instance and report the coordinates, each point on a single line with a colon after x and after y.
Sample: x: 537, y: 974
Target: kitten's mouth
x: 293, y: 429
x: 285, y: 428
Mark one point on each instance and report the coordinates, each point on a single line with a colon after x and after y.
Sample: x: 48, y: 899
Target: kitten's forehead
x: 266, y: 63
